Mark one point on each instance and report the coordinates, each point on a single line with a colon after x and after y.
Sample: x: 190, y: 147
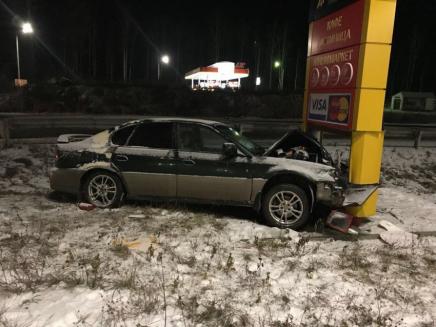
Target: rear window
x: 153, y: 135
x: 121, y: 136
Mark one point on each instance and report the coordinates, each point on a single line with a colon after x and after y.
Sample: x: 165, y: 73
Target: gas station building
x: 220, y: 75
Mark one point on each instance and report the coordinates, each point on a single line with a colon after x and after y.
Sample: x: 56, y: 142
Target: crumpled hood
x: 314, y: 171
x: 295, y: 138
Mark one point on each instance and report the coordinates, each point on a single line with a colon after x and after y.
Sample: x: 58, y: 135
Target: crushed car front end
x: 330, y: 194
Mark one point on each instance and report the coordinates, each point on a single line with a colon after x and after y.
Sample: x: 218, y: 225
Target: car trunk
x: 68, y: 138
x: 74, y: 149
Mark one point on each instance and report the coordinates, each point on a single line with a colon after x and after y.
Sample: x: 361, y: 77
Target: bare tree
x: 217, y: 32
x: 272, y: 51
x: 283, y: 56
x: 297, y: 70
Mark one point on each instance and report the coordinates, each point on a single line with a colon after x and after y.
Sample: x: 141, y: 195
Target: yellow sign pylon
x: 334, y: 45
x: 367, y: 135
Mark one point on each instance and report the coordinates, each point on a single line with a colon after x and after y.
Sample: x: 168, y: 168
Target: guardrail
x: 25, y: 128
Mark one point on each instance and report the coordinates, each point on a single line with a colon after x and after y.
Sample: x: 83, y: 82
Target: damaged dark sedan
x: 199, y: 161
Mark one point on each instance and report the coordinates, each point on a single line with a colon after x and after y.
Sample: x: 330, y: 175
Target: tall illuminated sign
x: 347, y: 67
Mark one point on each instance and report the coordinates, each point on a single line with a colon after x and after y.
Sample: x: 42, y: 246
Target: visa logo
x: 319, y: 105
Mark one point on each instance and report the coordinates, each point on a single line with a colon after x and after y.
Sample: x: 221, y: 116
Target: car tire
x: 103, y: 189
x: 286, y: 206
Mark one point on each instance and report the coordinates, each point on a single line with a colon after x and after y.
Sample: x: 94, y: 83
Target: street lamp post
x: 165, y: 59
x: 26, y: 28
x: 278, y: 66
x: 18, y: 56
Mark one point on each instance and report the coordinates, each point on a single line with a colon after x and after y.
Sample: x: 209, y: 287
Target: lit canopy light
x: 165, y: 59
x: 27, y: 28
x: 277, y: 64
x: 258, y: 81
x: 224, y: 74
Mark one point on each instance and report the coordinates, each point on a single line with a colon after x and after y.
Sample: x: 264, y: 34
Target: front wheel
x: 103, y: 189
x: 286, y: 206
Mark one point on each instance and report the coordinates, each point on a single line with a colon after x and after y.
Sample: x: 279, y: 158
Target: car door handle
x: 121, y: 157
x: 189, y: 162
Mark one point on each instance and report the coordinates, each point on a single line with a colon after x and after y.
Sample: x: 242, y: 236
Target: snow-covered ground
x: 156, y: 265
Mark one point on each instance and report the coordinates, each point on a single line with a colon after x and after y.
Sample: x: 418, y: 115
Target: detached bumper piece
x: 354, y: 196
x: 357, y: 195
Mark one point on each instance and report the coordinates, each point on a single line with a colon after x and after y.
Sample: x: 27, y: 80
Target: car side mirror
x: 230, y: 150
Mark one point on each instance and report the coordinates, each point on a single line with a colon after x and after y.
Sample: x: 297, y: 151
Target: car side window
x: 121, y: 136
x: 197, y: 138
x: 153, y: 135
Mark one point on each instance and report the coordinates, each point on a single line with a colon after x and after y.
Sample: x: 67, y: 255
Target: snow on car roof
x: 175, y: 119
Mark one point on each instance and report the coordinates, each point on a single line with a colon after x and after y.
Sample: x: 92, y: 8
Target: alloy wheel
x: 286, y: 207
x: 102, y: 190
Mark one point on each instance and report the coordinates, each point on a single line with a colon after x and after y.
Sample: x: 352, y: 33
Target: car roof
x: 174, y: 119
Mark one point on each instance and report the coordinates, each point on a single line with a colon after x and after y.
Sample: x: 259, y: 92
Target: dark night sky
x: 113, y: 40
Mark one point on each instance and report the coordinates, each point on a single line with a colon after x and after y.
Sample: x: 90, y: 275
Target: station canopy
x: 216, y: 74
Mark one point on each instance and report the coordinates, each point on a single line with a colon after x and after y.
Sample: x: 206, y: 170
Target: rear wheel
x: 103, y: 189
x: 286, y: 206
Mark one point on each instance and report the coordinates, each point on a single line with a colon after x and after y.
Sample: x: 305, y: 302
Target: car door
x: 147, y: 160
x: 203, y: 173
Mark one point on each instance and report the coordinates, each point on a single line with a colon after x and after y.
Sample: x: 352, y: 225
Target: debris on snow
x: 137, y: 216
x: 86, y: 206
x: 396, y: 236
x: 340, y: 221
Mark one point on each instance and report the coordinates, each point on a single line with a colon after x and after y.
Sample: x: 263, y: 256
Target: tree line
x: 122, y: 41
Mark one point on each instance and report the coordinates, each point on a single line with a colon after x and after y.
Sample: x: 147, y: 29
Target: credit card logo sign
x: 318, y: 106
x: 339, y: 108
x: 330, y: 108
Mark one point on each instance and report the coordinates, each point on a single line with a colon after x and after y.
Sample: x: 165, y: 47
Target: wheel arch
x: 85, y: 176
x: 307, y: 185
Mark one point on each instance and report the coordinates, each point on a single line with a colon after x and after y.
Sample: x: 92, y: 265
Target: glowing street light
x: 165, y: 59
x: 258, y: 81
x: 277, y: 64
x: 26, y: 28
